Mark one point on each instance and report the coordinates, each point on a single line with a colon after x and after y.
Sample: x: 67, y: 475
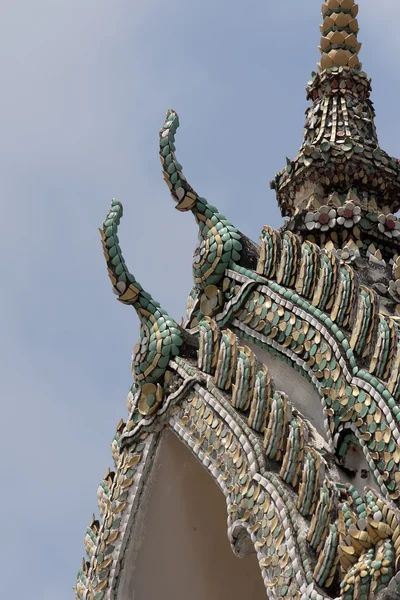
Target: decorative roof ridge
x: 161, y: 338
x: 235, y: 369
x: 318, y: 277
x: 278, y: 320
x: 220, y: 244
x: 330, y: 286
x: 342, y: 522
x: 312, y: 291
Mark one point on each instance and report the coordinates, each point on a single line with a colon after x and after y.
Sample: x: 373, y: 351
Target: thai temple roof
x: 283, y: 380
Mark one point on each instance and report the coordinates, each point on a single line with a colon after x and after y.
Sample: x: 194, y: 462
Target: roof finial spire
x: 340, y: 156
x: 339, y: 45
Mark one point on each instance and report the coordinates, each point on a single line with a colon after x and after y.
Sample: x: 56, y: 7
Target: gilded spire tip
x: 339, y: 45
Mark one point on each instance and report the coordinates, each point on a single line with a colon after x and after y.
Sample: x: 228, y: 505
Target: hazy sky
x: 85, y: 86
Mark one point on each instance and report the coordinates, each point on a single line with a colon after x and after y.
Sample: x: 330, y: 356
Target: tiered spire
x: 340, y: 153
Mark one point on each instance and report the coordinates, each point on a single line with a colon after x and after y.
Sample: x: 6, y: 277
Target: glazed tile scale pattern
x: 321, y: 295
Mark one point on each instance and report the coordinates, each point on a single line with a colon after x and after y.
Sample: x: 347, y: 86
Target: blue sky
x: 85, y: 87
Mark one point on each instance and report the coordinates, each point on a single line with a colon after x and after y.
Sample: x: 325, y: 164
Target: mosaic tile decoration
x: 323, y: 295
x: 340, y: 148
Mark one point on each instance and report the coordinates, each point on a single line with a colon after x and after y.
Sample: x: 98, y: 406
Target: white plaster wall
x: 182, y: 551
x: 356, y: 462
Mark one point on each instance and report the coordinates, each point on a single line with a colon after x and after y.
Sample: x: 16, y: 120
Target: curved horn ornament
x: 160, y: 336
x: 220, y: 243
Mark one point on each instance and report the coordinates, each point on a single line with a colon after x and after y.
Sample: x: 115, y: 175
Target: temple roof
x: 319, y: 296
